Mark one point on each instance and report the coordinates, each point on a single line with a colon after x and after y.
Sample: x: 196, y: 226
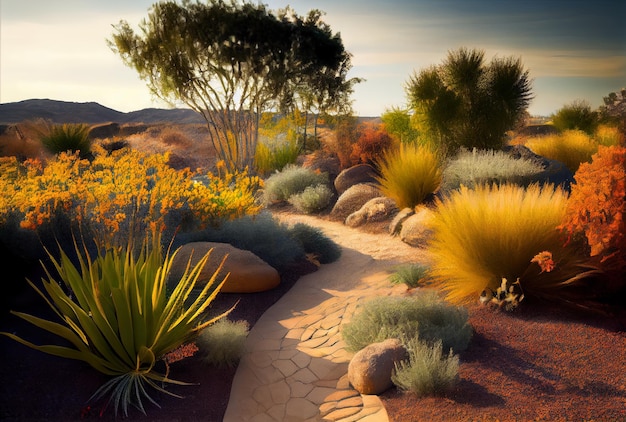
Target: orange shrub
x: 372, y: 143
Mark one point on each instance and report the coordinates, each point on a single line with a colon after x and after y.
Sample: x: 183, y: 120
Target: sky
x: 574, y: 50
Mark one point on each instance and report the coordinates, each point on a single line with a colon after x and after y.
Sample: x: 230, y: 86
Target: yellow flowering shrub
x: 123, y: 191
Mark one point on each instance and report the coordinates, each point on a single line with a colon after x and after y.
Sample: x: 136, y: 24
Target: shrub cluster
x: 294, y: 180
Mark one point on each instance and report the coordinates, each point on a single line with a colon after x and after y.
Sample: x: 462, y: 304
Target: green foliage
x: 412, y: 275
x: 465, y: 102
x: 315, y: 242
x: 67, y: 137
x: 289, y: 181
x: 222, y: 344
x: 252, y: 61
x: 312, y: 199
x: 118, y: 317
x: 274, y: 157
x: 409, y: 174
x: 425, y: 316
x: 471, y: 168
x: 262, y: 235
x: 428, y: 371
x: 576, y: 116
x: 484, y: 234
x: 397, y: 122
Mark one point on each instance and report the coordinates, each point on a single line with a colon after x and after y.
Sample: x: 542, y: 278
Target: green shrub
x: 118, y: 317
x: 409, y: 174
x: 488, y: 233
x: 312, y: 199
x: 275, y: 157
x: 425, y: 316
x: 428, y: 371
x: 412, y: 275
x: 222, y: 344
x: 315, y: 242
x: 291, y: 180
x: 576, y: 116
x: 67, y: 137
x: 471, y: 168
x: 262, y: 235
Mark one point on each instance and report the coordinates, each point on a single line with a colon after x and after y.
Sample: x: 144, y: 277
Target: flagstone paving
x: 295, y: 366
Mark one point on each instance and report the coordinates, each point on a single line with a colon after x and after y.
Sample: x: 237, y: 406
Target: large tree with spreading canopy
x: 231, y: 61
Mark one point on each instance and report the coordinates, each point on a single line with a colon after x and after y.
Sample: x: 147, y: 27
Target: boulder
x: 370, y: 369
x: 396, y: 223
x: 554, y: 172
x: 248, y: 272
x: 361, y: 173
x: 353, y: 199
x: 416, y: 230
x: 374, y: 210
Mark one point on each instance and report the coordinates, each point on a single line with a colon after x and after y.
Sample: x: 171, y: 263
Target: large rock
x: 361, y: 173
x: 370, y: 369
x: 353, y: 199
x: 374, y: 210
x: 248, y: 272
x: 416, y: 229
x: 554, y: 172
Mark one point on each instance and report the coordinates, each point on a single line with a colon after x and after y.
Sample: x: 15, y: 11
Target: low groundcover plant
x: 119, y: 318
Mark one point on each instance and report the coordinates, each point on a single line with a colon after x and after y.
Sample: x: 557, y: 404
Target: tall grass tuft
x: 471, y: 168
x: 425, y: 316
x: 67, y: 137
x: 571, y: 147
x: 409, y: 174
x: 484, y: 234
x: 428, y: 370
x: 413, y: 275
x: 275, y: 157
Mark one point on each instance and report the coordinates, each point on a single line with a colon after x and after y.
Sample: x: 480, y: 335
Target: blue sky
x: 574, y: 50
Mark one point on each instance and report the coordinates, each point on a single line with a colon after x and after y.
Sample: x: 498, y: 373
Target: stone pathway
x: 295, y: 367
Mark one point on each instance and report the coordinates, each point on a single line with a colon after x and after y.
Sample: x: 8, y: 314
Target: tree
x: 465, y: 102
x: 577, y: 115
x: 614, y: 109
x: 397, y: 123
x: 230, y: 62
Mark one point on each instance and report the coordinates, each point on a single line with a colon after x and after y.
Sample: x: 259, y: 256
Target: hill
x: 90, y: 113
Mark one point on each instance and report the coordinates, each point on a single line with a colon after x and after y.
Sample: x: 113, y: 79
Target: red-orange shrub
x: 373, y: 141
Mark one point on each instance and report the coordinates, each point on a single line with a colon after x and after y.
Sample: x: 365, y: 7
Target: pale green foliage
x: 119, y: 317
x: 409, y: 174
x: 312, y: 199
x: 222, y: 344
x: 471, y: 168
x: 488, y: 233
x: 428, y: 371
x: 425, y: 315
x: 289, y: 181
x: 412, y: 275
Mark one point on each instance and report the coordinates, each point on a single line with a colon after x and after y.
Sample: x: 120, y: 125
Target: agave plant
x: 119, y: 317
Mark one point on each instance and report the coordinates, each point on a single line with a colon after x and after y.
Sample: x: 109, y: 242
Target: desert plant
x: 315, y: 243
x: 270, y: 157
x: 576, y: 116
x: 67, y: 137
x: 425, y: 316
x: 312, y: 199
x: 409, y: 174
x: 471, y: 168
x: 428, y: 370
x: 607, y: 136
x: 289, y: 181
x: 484, y: 234
x: 371, y: 144
x: 222, y: 343
x: 412, y: 275
x: 118, y: 317
x: 571, y: 147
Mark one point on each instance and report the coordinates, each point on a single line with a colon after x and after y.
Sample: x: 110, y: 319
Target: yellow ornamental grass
x: 488, y: 233
x: 572, y: 147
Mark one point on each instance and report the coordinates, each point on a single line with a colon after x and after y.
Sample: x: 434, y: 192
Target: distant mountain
x: 89, y: 113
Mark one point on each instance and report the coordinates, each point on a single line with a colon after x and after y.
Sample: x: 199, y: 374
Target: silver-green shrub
x: 222, y: 344
x: 291, y: 180
x: 312, y: 199
x: 470, y: 168
x: 427, y: 371
x: 425, y: 315
x: 412, y: 275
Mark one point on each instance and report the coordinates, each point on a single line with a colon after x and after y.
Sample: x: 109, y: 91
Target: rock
x: 396, y: 224
x: 352, y: 200
x: 374, y: 210
x: 415, y: 229
x: 361, y: 173
x: 554, y: 171
x: 370, y: 369
x: 248, y: 272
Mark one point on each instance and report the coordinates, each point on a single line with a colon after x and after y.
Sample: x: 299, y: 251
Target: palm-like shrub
x: 279, y: 187
x: 67, y: 137
x: 425, y: 316
x: 119, y: 318
x: 471, y: 168
x: 409, y: 174
x: 484, y: 234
